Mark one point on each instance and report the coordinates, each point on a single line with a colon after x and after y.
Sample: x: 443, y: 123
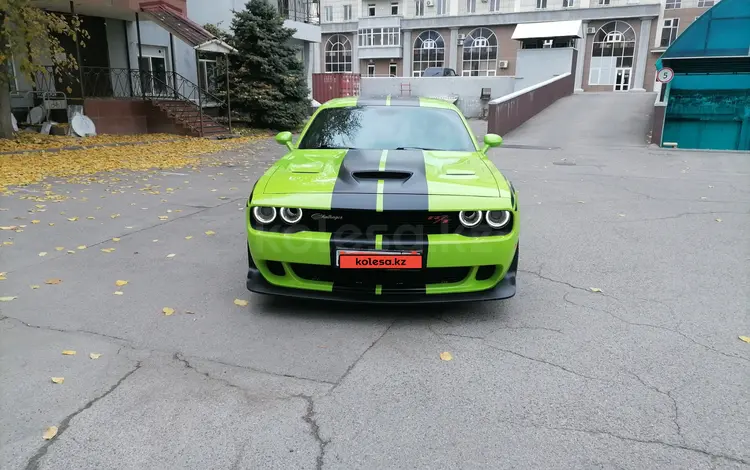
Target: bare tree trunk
x: 6, y: 125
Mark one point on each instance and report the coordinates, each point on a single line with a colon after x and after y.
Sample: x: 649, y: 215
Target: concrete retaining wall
x: 509, y: 112
x: 467, y: 89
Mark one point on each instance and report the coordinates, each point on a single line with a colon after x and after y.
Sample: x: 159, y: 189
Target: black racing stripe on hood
x: 351, y: 193
x: 394, y: 191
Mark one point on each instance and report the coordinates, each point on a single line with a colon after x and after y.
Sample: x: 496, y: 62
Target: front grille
x: 366, y: 224
x: 389, y: 279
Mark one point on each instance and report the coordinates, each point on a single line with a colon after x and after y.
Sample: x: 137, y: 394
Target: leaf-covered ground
x: 26, y: 168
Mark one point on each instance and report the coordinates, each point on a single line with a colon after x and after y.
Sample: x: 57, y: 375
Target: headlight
x: 264, y: 215
x: 470, y: 218
x: 498, y: 219
x: 290, y: 215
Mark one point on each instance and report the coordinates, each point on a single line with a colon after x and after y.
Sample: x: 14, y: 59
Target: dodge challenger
x: 388, y: 200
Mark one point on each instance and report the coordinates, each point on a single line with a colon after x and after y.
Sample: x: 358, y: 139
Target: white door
x: 622, y: 78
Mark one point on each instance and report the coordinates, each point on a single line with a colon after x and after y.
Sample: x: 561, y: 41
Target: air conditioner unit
x: 590, y: 30
x: 461, y: 38
x: 430, y: 3
x: 502, y: 64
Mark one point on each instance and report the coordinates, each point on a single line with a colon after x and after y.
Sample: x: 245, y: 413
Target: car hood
x: 435, y: 173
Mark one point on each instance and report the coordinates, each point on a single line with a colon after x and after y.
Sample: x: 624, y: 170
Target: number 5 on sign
x: 665, y: 75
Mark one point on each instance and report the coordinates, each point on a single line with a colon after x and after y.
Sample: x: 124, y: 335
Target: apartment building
x: 619, y: 40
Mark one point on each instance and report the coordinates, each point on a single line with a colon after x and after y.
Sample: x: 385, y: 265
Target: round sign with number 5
x: 665, y: 75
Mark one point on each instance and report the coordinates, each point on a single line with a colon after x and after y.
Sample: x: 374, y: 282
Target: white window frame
x: 328, y: 14
x: 494, y: 6
x: 706, y: 3
x: 419, y: 7
x: 672, y: 4
x: 673, y: 25
x: 347, y: 12
x: 569, y: 3
x: 426, y: 51
x: 203, y: 70
x: 608, y: 60
x: 483, y: 53
x: 371, y: 9
x: 441, y: 7
x: 471, y: 6
x: 393, y: 70
x: 343, y: 48
x: 541, y: 4
x: 379, y: 37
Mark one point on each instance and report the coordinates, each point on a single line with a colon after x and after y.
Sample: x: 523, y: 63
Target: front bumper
x: 455, y: 268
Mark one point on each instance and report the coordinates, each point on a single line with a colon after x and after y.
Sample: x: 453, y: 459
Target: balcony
x: 302, y: 11
x: 391, y: 21
x: 379, y: 43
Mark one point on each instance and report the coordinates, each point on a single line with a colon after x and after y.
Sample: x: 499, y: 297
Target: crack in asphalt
x: 512, y: 328
x: 35, y: 460
x: 356, y: 361
x: 644, y: 441
x: 129, y: 345
x: 668, y: 394
x: 565, y: 283
x: 224, y: 203
x: 677, y: 216
x: 309, y: 418
x: 657, y: 327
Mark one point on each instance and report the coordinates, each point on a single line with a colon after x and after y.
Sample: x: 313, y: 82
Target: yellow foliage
x: 23, y: 169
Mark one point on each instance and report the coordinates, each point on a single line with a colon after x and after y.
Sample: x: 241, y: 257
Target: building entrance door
x: 622, y: 78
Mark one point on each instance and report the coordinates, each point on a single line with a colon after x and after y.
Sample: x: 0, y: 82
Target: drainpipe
x: 140, y: 55
x: 127, y: 58
x: 174, y: 71
x: 78, y: 53
x: 200, y: 103
x: 229, y: 104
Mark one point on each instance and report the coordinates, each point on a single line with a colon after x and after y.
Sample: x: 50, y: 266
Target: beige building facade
x: 618, y: 43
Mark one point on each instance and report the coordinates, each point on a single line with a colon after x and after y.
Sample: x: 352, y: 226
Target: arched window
x: 429, y: 51
x: 612, y: 54
x: 338, y: 54
x: 480, y: 53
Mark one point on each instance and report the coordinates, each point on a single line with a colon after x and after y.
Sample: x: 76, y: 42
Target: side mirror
x: 285, y: 138
x: 491, y: 140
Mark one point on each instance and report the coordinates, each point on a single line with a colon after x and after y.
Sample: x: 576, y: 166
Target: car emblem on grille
x: 438, y: 219
x: 319, y: 216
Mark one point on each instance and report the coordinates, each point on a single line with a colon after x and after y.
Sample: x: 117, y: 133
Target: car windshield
x: 388, y: 127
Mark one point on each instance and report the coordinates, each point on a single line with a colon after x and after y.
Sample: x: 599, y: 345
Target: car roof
x: 388, y: 100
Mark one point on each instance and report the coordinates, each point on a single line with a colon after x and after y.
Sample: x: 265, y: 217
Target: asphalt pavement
x: 620, y: 349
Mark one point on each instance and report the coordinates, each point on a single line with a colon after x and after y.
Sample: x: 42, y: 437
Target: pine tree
x: 268, y: 79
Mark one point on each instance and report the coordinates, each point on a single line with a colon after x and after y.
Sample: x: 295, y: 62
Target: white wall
x: 155, y: 41
x: 468, y: 89
x: 537, y: 65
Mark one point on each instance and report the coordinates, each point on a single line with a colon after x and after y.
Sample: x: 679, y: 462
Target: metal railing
x: 303, y: 11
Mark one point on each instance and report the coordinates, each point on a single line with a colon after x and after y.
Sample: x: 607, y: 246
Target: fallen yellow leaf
x: 2, y: 276
x: 240, y: 302
x: 58, y: 380
x: 69, y: 352
x: 115, y: 239
x: 8, y: 298
x: 171, y: 255
x: 94, y: 355
x: 34, y: 286
x: 81, y: 247
x: 163, y: 217
x: 73, y: 219
x: 718, y: 220
x: 51, y: 224
x: 446, y: 356
x: 43, y: 253
x: 210, y: 232
x: 167, y: 311
x: 114, y: 216
x: 90, y: 217
x: 49, y: 433
x: 59, y: 248
x: 35, y: 221
x: 118, y: 292
x: 188, y: 237
x: 595, y: 289
x: 7, y: 243
x: 121, y: 283
x: 9, y: 227
x: 53, y: 281
x: 745, y: 338
x: 108, y: 250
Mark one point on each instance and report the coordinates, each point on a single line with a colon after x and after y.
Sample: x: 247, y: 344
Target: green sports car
x: 386, y: 200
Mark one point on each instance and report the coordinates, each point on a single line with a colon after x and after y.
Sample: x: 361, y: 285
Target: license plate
x: 379, y: 260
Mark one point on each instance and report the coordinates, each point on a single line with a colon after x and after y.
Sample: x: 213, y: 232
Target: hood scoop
x: 382, y: 175
x: 310, y: 167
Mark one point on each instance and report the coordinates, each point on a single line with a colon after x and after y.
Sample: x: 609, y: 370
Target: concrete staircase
x: 186, y: 114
